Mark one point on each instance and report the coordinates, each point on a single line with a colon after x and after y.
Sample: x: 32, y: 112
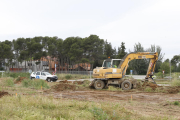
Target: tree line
x: 71, y: 51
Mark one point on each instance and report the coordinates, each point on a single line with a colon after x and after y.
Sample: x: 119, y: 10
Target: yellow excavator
x: 114, y: 70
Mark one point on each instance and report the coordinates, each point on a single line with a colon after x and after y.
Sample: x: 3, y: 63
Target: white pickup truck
x: 44, y: 76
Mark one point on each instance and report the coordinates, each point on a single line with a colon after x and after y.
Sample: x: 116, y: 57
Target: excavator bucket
x: 149, y: 80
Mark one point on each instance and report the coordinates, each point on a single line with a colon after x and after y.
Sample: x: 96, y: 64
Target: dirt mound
x: 19, y: 80
x: 78, y: 82
x: 65, y: 81
x: 64, y: 86
x: 2, y: 93
x: 173, y: 90
x: 141, y: 86
x: 153, y: 86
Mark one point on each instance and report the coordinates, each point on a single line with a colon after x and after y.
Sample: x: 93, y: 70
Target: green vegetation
x: 86, y: 83
x: 176, y: 103
x: 175, y: 82
x: 71, y: 53
x: 15, y: 75
x: 46, y: 108
x: 34, y: 83
x: 68, y: 76
x: 72, y: 76
x: 113, y: 88
x: 9, y: 82
x: 36, y: 105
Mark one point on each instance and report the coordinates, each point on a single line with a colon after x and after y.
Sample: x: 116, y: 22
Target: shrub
x: 159, y: 75
x: 176, y: 103
x: 34, y: 83
x: 68, y: 76
x: 99, y: 114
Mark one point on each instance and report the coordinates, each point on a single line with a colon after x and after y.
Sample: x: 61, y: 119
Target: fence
x: 76, y: 72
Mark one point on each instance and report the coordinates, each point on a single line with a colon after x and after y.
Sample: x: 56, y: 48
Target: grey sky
x: 149, y: 22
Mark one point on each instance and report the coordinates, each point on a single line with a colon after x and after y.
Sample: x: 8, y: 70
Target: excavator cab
x: 111, y: 63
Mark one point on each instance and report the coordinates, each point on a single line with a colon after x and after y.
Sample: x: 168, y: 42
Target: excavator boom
x: 153, y: 56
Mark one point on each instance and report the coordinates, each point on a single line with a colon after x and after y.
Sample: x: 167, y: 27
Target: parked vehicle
x: 44, y: 76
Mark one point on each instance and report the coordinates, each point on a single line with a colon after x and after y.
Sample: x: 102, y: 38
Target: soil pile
x: 154, y: 87
x: 63, y: 87
x: 19, y: 80
x: 78, y: 82
x: 2, y: 93
x: 65, y: 81
x: 173, y: 90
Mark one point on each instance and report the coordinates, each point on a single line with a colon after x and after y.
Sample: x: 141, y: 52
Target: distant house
x: 81, y: 67
x: 48, y: 63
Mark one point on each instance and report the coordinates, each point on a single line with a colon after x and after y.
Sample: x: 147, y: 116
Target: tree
x: 121, y: 51
x: 139, y: 66
x: 6, y: 52
x: 93, y: 49
x: 175, y: 63
x: 108, y: 50
x: 165, y: 66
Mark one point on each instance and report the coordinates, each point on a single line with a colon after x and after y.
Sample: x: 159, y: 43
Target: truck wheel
x: 99, y: 84
x: 126, y: 85
x: 48, y: 79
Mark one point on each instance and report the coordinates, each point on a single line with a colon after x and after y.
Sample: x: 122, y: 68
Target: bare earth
x: 148, y: 104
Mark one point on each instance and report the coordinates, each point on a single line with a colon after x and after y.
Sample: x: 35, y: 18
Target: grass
x: 175, y: 82
x: 30, y: 104
x: 113, y: 88
x: 38, y: 107
x: 35, y: 83
x: 148, y: 89
x: 9, y: 82
x: 163, y: 81
x: 72, y: 76
x: 15, y: 75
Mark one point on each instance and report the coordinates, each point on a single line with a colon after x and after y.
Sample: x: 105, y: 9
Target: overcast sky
x: 149, y: 22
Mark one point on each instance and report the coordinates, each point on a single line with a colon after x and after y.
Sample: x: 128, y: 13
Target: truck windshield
x: 107, y: 64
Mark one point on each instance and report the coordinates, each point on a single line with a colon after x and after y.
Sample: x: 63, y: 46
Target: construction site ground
x: 148, y: 100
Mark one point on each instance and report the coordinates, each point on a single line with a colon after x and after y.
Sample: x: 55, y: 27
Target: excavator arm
x: 140, y: 55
